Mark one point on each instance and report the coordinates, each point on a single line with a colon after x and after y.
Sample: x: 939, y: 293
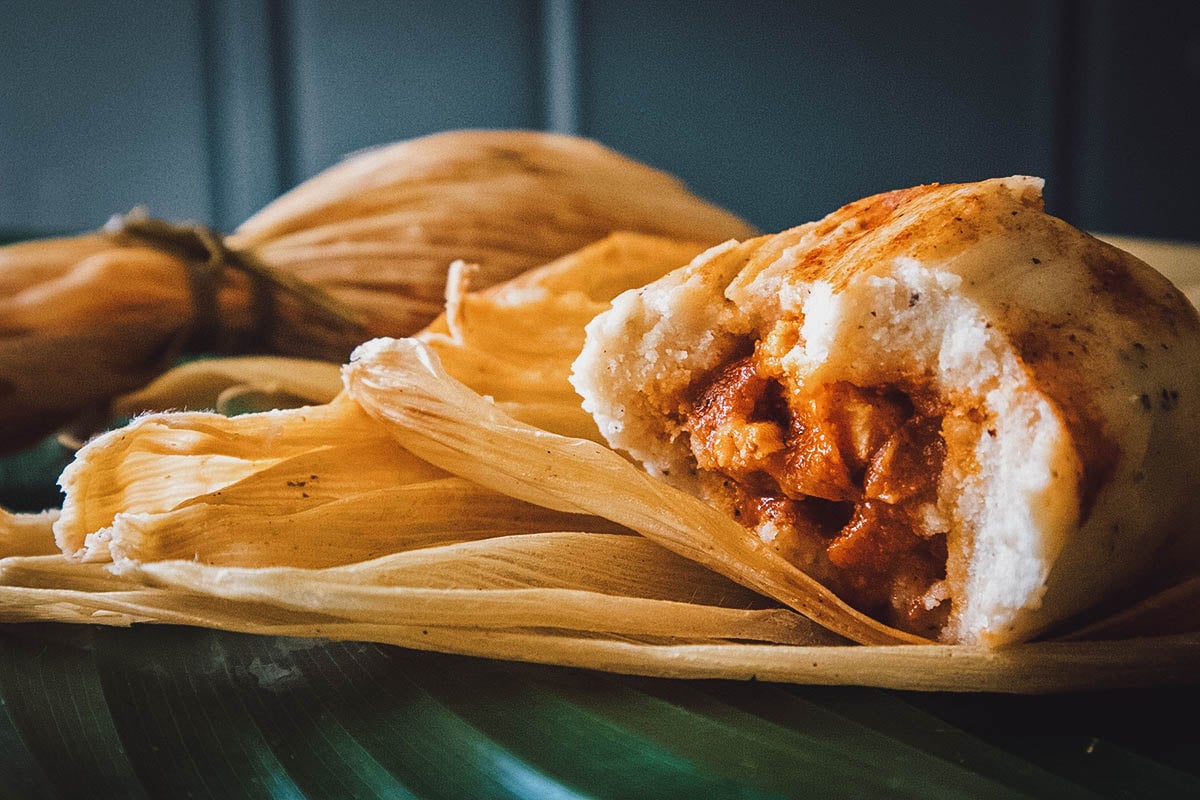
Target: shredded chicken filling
x: 842, y: 480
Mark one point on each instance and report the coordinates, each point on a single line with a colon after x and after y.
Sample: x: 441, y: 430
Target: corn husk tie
x: 204, y: 254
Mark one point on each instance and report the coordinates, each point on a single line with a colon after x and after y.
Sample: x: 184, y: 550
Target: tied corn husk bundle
x: 506, y: 530
x: 360, y: 250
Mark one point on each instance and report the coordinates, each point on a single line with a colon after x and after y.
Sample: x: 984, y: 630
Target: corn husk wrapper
x: 360, y: 250
x: 27, y: 534
x: 236, y: 385
x: 402, y: 383
x: 271, y: 489
x: 593, y: 629
x: 515, y: 342
x: 582, y: 591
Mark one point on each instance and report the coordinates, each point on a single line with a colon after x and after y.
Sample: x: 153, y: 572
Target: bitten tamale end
x: 970, y: 419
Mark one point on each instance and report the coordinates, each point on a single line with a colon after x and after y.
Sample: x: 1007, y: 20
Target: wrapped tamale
x: 970, y: 419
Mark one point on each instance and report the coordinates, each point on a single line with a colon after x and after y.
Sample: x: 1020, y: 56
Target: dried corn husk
x: 236, y: 385
x: 515, y: 342
x: 27, y: 534
x: 581, y: 591
x: 402, y: 383
x: 262, y: 489
x: 617, y: 603
x: 360, y: 250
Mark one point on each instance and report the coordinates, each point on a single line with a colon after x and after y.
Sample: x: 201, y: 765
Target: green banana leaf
x: 170, y: 712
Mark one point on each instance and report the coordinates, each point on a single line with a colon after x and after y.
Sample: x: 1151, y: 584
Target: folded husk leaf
x: 515, y: 342
x: 236, y: 385
x: 602, y: 584
x: 1175, y: 609
x: 88, y: 318
x: 1033, y: 668
x: 402, y: 383
x: 27, y: 534
x: 307, y: 487
x: 572, y: 581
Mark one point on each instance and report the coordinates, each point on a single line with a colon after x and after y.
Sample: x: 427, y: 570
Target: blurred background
x: 780, y: 111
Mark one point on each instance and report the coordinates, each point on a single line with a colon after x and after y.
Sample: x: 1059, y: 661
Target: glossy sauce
x: 842, y: 478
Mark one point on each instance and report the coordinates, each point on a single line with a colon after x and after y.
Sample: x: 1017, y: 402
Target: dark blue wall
x: 780, y: 111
